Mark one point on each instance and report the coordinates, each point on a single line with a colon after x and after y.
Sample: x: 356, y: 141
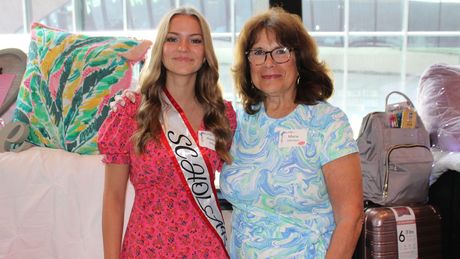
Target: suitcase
x: 400, y: 232
x: 445, y: 195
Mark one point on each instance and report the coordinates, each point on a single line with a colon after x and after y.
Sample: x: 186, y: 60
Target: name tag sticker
x: 207, y: 139
x: 292, y: 138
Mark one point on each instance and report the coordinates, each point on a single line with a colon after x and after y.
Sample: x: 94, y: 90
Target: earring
x: 298, y: 80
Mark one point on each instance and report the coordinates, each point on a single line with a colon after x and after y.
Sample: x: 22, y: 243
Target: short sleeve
x: 338, y: 137
x: 115, y: 133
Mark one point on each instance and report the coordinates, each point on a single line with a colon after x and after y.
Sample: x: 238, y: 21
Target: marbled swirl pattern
x: 280, y: 203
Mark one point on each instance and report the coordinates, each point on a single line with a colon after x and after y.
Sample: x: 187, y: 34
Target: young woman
x: 169, y: 143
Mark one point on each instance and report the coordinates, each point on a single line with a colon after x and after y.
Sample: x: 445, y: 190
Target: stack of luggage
x: 396, y: 163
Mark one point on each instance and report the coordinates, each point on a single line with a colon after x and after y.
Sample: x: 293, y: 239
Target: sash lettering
x: 193, y: 165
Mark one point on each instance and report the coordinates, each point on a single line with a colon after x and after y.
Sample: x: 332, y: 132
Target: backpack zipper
x: 387, y: 166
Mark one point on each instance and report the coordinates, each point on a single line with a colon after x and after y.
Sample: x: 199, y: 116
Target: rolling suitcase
x: 400, y: 232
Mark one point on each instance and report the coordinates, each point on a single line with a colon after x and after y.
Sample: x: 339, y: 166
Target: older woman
x: 295, y: 181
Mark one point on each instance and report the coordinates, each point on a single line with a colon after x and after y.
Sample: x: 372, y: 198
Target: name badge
x: 207, y: 139
x: 292, y: 138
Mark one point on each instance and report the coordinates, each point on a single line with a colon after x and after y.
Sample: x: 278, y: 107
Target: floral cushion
x: 70, y: 80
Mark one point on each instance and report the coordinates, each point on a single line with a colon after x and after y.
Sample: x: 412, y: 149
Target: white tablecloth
x: 51, y: 204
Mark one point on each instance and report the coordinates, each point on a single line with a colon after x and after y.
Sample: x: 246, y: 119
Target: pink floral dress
x: 164, y: 223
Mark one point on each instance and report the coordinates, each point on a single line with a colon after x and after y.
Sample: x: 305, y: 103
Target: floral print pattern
x: 164, y: 223
x: 69, y: 81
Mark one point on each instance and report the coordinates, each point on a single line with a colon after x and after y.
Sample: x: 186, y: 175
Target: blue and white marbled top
x: 280, y: 202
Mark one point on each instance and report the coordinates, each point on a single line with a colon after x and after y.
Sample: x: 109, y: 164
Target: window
x: 371, y: 46
x: 374, y: 47
x: 101, y: 15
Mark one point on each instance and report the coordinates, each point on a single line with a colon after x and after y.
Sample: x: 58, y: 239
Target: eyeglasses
x: 259, y: 56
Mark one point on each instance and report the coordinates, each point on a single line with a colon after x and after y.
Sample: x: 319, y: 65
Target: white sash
x: 193, y: 165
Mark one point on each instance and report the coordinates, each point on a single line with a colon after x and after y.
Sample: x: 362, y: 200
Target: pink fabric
x: 6, y: 80
x: 54, y: 82
x: 163, y: 222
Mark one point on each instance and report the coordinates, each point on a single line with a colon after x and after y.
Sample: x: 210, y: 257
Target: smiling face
x: 271, y: 78
x: 183, y: 50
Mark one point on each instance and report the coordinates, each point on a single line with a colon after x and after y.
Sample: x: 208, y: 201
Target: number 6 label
x: 406, y: 230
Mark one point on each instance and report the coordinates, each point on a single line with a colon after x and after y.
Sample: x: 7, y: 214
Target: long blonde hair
x: 207, y: 90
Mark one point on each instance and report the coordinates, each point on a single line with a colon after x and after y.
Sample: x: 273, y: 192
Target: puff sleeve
x: 116, y: 131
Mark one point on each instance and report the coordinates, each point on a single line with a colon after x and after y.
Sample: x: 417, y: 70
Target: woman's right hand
x: 119, y: 100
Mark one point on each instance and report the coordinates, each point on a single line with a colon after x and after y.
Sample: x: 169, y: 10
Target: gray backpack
x: 396, y: 162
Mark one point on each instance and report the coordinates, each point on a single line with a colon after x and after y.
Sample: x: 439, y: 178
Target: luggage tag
x: 406, y: 232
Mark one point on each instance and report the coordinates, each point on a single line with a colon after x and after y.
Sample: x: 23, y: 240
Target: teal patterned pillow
x: 69, y: 82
